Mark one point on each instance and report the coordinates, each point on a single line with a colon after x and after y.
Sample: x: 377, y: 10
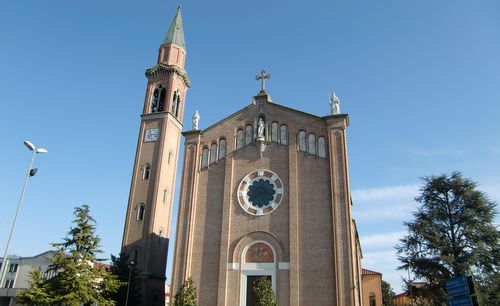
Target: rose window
x: 260, y: 192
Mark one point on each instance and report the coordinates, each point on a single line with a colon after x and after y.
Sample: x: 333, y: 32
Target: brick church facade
x: 264, y: 192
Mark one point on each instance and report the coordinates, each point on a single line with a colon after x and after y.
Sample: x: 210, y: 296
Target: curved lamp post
x: 29, y: 173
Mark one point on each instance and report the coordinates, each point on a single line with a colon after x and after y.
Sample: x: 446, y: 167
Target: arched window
x: 248, y: 135
x: 274, y: 132
x: 135, y: 255
x: 176, y: 103
x: 165, y: 195
x: 284, y: 135
x: 178, y: 108
x: 222, y: 148
x: 372, y: 299
x: 158, y: 99
x: 204, y: 158
x: 146, y: 171
x: 240, y: 139
x: 321, y: 147
x: 311, y: 144
x: 213, y: 153
x: 302, y: 141
x: 140, y: 212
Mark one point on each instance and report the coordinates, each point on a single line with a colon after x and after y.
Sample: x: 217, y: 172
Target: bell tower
x: 147, y: 225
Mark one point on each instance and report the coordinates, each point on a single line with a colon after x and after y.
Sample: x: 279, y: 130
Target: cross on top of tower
x: 263, y: 76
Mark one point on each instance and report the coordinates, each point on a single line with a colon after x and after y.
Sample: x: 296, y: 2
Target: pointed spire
x: 175, y: 34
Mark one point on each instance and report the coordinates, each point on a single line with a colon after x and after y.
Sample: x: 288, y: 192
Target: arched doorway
x: 258, y: 260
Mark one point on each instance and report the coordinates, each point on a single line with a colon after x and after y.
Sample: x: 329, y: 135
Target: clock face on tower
x: 260, y: 192
x: 151, y: 135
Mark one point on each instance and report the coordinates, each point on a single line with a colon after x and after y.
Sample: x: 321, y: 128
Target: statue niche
x: 261, y: 133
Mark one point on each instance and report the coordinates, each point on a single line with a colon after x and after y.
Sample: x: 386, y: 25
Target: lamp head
x: 33, y: 171
x: 29, y: 145
x: 41, y: 150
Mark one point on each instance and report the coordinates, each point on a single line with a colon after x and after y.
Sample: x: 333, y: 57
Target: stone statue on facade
x: 334, y: 104
x: 196, y: 119
x: 260, y: 128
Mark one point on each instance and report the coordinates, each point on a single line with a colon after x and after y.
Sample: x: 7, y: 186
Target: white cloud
x: 385, y: 193
x: 492, y: 191
x: 378, y: 240
x: 392, y: 202
x: 386, y: 263
x: 379, y: 213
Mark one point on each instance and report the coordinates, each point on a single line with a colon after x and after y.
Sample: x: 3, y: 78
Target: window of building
x: 13, y: 267
x: 274, y: 132
x: 9, y: 283
x: 302, y: 141
x: 213, y: 153
x: 311, y: 144
x: 135, y: 255
x: 371, y: 298
x: 248, y: 134
x: 321, y: 147
x: 140, y: 212
x: 204, y: 158
x: 176, y: 103
x: 284, y: 135
x: 146, y: 171
x: 165, y: 195
x: 158, y: 99
x: 222, y: 148
x: 178, y: 106
x: 240, y: 139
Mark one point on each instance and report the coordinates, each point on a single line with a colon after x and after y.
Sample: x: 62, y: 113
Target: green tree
x: 124, y: 270
x: 186, y: 296
x: 387, y: 293
x: 76, y: 280
x: 452, y: 234
x: 264, y: 291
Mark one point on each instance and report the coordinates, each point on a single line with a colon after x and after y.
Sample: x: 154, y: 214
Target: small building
x: 17, y: 274
x: 372, y: 287
x: 403, y: 299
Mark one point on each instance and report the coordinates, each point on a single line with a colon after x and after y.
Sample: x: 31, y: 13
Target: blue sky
x: 419, y: 79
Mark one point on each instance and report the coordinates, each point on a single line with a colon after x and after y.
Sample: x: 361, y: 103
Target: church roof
x: 175, y: 34
x: 254, y: 104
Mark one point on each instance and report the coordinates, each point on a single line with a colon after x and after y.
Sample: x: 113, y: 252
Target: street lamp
x: 130, y: 267
x: 29, y: 173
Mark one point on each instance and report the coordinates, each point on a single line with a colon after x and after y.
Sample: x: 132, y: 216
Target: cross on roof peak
x: 263, y: 76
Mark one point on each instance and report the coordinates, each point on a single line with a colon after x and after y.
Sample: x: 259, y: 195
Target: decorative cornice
x: 159, y: 115
x: 166, y: 69
x: 192, y: 132
x: 154, y: 116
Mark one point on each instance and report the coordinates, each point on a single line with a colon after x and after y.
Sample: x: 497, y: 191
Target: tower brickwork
x: 146, y: 234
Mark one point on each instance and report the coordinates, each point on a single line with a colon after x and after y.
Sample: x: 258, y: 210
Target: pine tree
x: 186, y: 296
x: 264, y: 291
x: 452, y: 234
x: 76, y: 280
x: 387, y: 293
